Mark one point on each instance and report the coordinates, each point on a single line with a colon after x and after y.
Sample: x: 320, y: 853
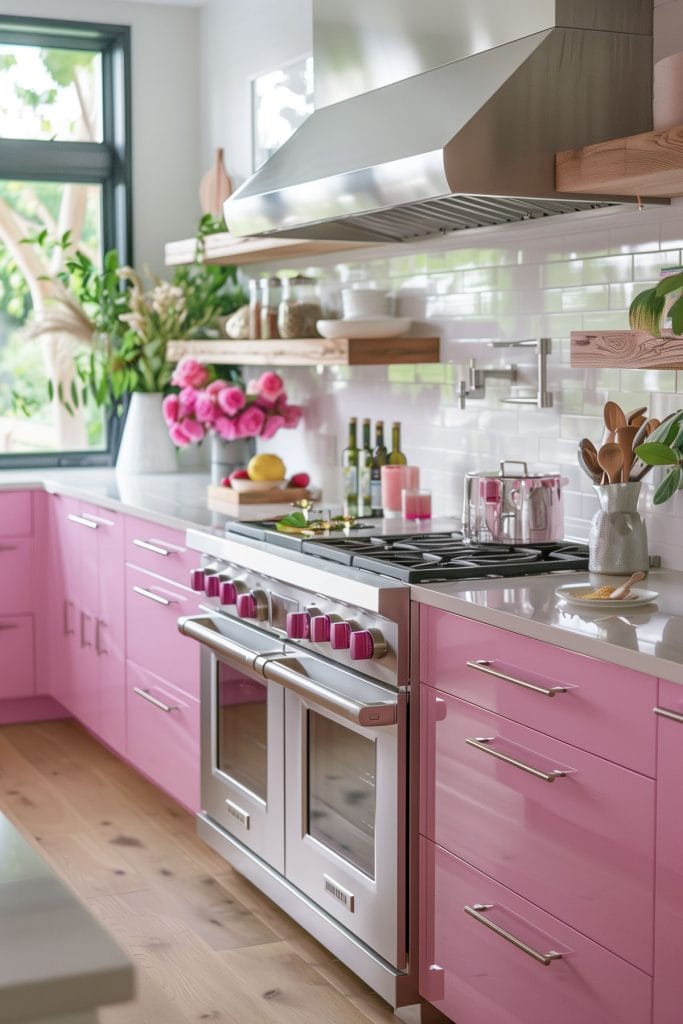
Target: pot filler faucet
x: 475, y: 385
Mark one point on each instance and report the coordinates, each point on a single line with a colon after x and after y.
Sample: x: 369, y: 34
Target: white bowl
x: 242, y: 486
x: 363, y: 302
x: 372, y: 327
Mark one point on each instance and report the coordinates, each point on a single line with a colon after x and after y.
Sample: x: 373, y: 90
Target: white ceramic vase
x: 145, y: 443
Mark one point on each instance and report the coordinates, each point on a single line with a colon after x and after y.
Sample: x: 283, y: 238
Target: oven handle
x: 201, y: 628
x: 368, y: 715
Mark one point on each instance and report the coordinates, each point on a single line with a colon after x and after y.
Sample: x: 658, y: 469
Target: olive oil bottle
x: 379, y: 459
x: 396, y: 456
x: 350, y: 471
x: 364, y: 473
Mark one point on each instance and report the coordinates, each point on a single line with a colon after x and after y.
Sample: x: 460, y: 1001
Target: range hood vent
x: 458, y: 143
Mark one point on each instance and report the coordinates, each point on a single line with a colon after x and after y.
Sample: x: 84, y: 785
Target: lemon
x: 266, y: 467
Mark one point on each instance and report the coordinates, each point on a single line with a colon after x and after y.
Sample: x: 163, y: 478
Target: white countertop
x: 55, y: 958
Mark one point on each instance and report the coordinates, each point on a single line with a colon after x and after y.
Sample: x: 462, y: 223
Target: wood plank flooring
x: 206, y: 944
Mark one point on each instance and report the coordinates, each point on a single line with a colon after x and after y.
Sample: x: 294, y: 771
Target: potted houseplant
x: 664, y: 447
x: 651, y: 306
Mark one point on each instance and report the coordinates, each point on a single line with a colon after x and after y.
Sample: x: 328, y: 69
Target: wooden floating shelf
x: 310, y: 351
x: 631, y: 350
x: 225, y: 248
x: 648, y: 165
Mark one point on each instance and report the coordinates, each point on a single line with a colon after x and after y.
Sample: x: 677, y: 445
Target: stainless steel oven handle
x: 368, y: 715
x: 201, y: 628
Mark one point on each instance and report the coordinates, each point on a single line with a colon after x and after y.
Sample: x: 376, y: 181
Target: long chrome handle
x: 66, y: 628
x: 83, y: 619
x: 665, y: 713
x: 201, y: 628
x: 478, y: 911
x: 368, y: 715
x: 151, y: 596
x: 149, y: 546
x: 81, y: 521
x: 146, y: 695
x: 485, y: 666
x: 481, y: 743
x: 99, y: 626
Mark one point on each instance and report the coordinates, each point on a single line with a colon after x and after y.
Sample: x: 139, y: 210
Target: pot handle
x: 513, y: 462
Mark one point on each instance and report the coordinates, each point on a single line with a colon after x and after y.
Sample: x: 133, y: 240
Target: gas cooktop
x: 425, y: 557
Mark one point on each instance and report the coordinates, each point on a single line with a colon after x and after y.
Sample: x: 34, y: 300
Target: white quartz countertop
x: 55, y: 958
x: 648, y: 638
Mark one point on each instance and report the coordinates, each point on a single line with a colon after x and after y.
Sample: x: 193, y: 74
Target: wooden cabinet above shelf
x: 648, y: 165
x: 629, y: 350
x: 225, y: 248
x: 310, y: 351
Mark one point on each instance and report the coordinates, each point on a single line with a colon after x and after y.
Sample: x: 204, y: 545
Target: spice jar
x: 271, y: 293
x: 254, y: 309
x: 299, y: 309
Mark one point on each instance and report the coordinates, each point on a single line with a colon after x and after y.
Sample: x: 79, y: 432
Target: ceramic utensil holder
x: 617, y: 543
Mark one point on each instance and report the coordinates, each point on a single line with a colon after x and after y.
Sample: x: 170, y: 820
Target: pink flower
x: 205, y: 408
x: 265, y: 403
x: 189, y: 373
x: 178, y: 435
x: 272, y: 425
x: 216, y: 385
x: 231, y: 399
x: 226, y: 428
x: 186, y: 399
x: 292, y: 415
x: 250, y: 422
x: 270, y: 385
x: 169, y: 407
x: 194, y: 430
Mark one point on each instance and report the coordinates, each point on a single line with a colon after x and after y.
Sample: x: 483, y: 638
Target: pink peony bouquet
x: 205, y: 405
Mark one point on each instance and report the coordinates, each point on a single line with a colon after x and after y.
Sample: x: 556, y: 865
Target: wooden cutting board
x: 224, y: 499
x: 215, y: 187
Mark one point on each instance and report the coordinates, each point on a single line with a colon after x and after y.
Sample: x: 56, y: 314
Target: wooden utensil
x: 644, y: 431
x: 593, y: 474
x: 590, y: 458
x: 634, y: 413
x: 624, y: 436
x: 639, y: 468
x: 621, y: 592
x: 611, y: 459
x: 636, y: 422
x: 215, y: 187
x: 614, y: 417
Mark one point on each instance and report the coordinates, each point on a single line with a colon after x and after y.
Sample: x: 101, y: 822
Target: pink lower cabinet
x: 668, y: 1002
x: 17, y: 677
x: 163, y: 734
x: 490, y: 956
x: 569, y: 831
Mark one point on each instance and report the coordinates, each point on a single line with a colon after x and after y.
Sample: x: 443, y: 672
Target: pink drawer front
x: 160, y: 550
x: 163, y: 735
x: 477, y: 976
x: 153, y: 607
x: 17, y: 670
x: 16, y: 575
x: 16, y: 514
x: 580, y: 846
x: 591, y: 704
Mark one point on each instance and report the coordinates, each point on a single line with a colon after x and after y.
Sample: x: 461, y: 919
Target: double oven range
x: 306, y: 767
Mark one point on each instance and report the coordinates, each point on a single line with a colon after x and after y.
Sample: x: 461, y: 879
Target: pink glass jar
x: 395, y: 479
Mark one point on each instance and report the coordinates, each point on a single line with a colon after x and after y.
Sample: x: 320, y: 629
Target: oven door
x: 242, y: 735
x: 345, y: 777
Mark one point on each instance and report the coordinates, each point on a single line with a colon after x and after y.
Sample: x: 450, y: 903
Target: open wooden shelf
x: 648, y: 165
x: 631, y: 350
x: 224, y: 248
x: 310, y: 351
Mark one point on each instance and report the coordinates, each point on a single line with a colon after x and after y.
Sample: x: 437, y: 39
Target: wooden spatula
x: 611, y: 460
x: 623, y: 591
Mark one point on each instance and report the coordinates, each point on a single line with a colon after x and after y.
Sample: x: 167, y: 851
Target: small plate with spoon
x: 622, y: 596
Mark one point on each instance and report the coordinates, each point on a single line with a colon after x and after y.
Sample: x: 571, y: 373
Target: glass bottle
x: 271, y: 294
x: 254, y: 308
x: 299, y: 309
x: 379, y: 459
x: 350, y: 471
x: 364, y: 461
x: 396, y: 456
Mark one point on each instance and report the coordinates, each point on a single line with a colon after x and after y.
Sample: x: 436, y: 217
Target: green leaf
x: 669, y: 284
x: 50, y: 390
x: 294, y: 521
x: 676, y: 314
x: 668, y: 486
x: 646, y: 311
x: 654, y: 453
x: 667, y: 430
x: 74, y: 393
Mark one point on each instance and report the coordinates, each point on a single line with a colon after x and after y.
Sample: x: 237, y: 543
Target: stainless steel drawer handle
x: 149, y: 546
x: 485, y: 666
x: 671, y: 715
x: 482, y: 743
x: 83, y: 638
x: 99, y: 646
x: 146, y: 695
x: 67, y: 630
x: 151, y: 596
x: 478, y: 911
x: 82, y: 521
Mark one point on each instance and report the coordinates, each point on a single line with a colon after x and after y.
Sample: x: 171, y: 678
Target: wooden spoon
x: 593, y: 474
x: 644, y: 431
x: 611, y: 459
x: 633, y: 414
x: 590, y: 457
x: 623, y: 591
x: 624, y: 438
x: 614, y: 417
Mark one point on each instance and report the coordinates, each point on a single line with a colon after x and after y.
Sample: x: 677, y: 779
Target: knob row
x: 362, y: 644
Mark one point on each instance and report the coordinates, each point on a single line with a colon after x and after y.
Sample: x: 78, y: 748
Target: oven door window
x: 242, y: 730
x: 342, y: 774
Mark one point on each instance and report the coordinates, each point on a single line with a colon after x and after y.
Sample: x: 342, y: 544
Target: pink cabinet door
x: 16, y: 513
x: 668, y: 1004
x: 476, y: 975
x: 64, y: 576
x: 163, y: 735
x: 16, y: 575
x: 580, y: 845
x: 600, y: 707
x: 17, y: 676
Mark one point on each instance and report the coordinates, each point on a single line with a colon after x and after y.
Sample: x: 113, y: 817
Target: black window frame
x: 107, y: 163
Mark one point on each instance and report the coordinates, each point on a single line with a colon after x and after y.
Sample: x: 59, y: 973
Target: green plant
x: 664, y: 447
x: 647, y: 308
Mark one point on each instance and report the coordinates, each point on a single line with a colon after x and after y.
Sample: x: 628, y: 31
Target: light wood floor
x: 206, y: 944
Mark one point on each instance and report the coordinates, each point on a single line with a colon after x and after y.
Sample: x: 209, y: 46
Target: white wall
x: 165, y: 103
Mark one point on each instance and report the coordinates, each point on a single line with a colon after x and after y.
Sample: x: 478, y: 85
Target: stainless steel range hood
x: 447, y: 114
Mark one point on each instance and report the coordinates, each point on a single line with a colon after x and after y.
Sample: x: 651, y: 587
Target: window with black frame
x: 64, y: 168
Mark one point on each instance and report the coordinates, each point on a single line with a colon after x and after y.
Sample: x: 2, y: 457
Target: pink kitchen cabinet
x: 17, y: 658
x: 668, y: 979
x: 16, y: 513
x: 17, y: 597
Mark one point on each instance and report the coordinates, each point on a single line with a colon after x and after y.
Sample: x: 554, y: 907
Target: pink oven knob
x: 298, y: 625
x: 197, y: 579
x: 252, y: 605
x: 340, y: 636
x: 366, y: 644
x: 227, y: 592
x: 212, y: 585
x: 320, y: 629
